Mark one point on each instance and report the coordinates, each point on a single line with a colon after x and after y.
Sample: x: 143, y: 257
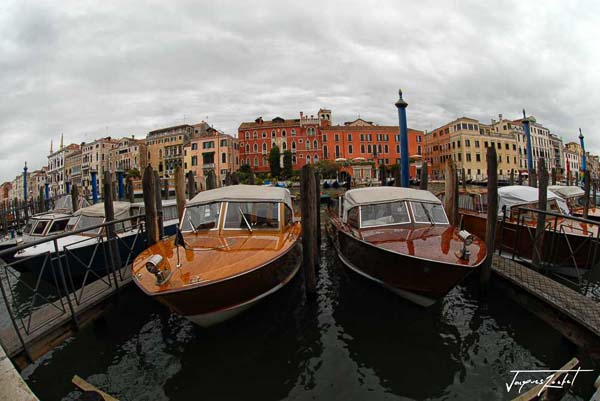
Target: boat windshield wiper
x: 427, y: 214
x: 192, y: 224
x: 245, y: 220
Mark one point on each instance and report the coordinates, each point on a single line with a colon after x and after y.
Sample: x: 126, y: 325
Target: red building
x: 359, y: 143
x: 302, y: 136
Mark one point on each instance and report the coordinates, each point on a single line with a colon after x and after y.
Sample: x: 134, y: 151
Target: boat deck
x: 571, y: 308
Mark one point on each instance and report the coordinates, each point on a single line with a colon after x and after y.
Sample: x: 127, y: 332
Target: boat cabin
x: 390, y: 206
x: 45, y: 224
x: 573, y: 196
x: 514, y: 197
x: 94, y: 215
x: 239, y: 207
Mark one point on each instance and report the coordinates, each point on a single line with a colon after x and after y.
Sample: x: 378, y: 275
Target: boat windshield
x: 431, y: 213
x: 27, y: 228
x: 58, y: 226
x: 259, y: 215
x: 72, y: 223
x: 384, y: 214
x: 40, y: 227
x: 201, y: 217
x: 89, y: 221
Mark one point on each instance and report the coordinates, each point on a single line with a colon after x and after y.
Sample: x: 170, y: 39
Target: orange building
x: 361, y: 143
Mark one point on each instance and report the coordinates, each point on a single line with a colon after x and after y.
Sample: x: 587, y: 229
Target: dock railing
x: 52, y: 287
x: 568, y: 249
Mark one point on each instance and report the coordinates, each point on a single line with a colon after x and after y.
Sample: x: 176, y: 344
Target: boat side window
x: 353, y: 217
x: 287, y: 215
x: 89, y: 221
x: 28, y: 226
x: 201, y: 217
x: 384, y: 214
x: 58, y: 226
x: 260, y: 215
x: 468, y: 202
x: 169, y: 212
x: 72, y: 223
x: 40, y: 227
x: 431, y: 213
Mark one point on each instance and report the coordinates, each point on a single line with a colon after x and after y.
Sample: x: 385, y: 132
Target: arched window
x: 255, y: 135
x: 283, y: 133
x: 325, y: 152
x: 247, y: 149
x: 316, y: 158
x: 315, y: 145
x: 264, y: 147
x: 160, y: 153
x: 264, y: 134
x: 256, y: 161
x: 307, y: 159
x: 273, y: 134
x: 284, y: 146
x: 247, y: 134
x: 307, y: 145
x: 293, y: 132
x: 255, y: 147
x: 293, y: 145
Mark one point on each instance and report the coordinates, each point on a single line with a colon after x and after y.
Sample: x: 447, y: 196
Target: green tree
x: 274, y: 156
x: 327, y: 168
x: 244, y: 173
x: 287, y: 171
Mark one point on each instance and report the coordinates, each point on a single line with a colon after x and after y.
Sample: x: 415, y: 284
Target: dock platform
x: 52, y: 323
x: 574, y: 315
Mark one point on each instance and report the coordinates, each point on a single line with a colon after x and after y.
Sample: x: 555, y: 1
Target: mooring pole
x: 382, y: 175
x: 159, y: 208
x: 191, y: 185
x: 424, y: 176
x: 583, y: 161
x: 463, y: 178
x: 586, y: 196
x: 235, y: 179
x: 492, y: 216
x: 109, y: 213
x: 595, y: 189
x: 520, y: 178
x: 309, y: 228
x: 179, y: 191
x: 529, y: 151
x: 251, y: 178
x: 405, y: 173
x: 541, y: 217
x: 166, y: 187
x: 94, y: 175
x: 553, y: 175
x: 129, y: 190
x: 121, y: 189
x: 512, y: 176
x: 211, y: 180
x: 25, y: 182
x: 318, y: 206
x: 74, y: 198
x: 451, y: 193
x: 227, y: 179
x: 148, y: 189
x: 533, y: 179
x: 397, y: 175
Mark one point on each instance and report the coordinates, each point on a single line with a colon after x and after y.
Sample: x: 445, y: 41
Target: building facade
x: 38, y: 182
x: 573, y: 154
x: 94, y: 157
x: 73, y: 168
x: 541, y: 142
x: 212, y: 150
x: 5, y: 194
x: 128, y: 154
x: 56, y: 177
x: 301, y: 136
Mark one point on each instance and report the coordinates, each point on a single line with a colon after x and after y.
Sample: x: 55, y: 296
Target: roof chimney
x: 301, y: 114
x: 500, y: 117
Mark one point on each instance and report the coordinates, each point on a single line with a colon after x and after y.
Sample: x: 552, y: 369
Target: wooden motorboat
x: 401, y: 239
x: 566, y: 240
x: 575, y: 198
x: 237, y: 245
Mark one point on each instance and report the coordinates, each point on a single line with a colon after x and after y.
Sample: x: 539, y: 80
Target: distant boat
x: 238, y: 245
x: 575, y: 198
x: 400, y: 238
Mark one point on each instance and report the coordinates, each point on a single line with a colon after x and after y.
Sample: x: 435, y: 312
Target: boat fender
x: 467, y: 238
x: 161, y: 271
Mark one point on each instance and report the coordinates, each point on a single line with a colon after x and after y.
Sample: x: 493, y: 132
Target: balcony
x: 208, y: 166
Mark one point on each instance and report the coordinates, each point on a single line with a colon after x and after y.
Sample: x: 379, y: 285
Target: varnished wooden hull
x: 419, y: 280
x: 215, y: 302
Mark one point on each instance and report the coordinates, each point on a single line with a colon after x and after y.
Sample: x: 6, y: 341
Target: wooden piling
x: 594, y: 190
x: 553, y: 175
x: 309, y: 227
x: 451, y: 193
x: 159, y: 209
x: 533, y: 179
x: 74, y: 197
x: 129, y: 190
x: 191, y: 185
x: 520, y: 179
x: 318, y: 206
x: 424, y: 176
x: 586, y: 196
x: 492, y: 216
x: 235, y: 179
x: 148, y: 189
x: 179, y: 191
x: 397, y: 175
x: 251, y: 178
x: 382, y: 176
x: 463, y: 177
x: 227, y: 179
x: 512, y: 176
x: 541, y: 217
x: 211, y: 180
x: 109, y: 215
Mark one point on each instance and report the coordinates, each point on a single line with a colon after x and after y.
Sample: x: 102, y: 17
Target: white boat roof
x: 64, y: 203
x: 97, y: 210
x: 50, y: 216
x: 371, y: 195
x: 566, y: 191
x: 515, y: 195
x: 165, y: 202
x: 243, y: 193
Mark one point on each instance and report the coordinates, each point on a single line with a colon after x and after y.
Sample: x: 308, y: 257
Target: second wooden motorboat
x: 401, y: 239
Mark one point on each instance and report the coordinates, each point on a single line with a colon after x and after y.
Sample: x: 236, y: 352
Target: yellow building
x: 212, y: 150
x: 128, y: 154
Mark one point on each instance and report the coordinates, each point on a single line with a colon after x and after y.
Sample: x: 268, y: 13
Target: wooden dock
x: 54, y: 321
x: 574, y: 315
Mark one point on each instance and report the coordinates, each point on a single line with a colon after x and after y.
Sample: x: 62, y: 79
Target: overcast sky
x: 91, y: 69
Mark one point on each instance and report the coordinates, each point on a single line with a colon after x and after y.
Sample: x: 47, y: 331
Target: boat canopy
x: 566, y: 191
x: 374, y: 195
x: 97, y: 210
x: 64, y: 203
x: 519, y: 195
x: 243, y: 193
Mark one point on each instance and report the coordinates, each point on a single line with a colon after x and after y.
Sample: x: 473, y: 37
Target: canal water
x: 353, y: 341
